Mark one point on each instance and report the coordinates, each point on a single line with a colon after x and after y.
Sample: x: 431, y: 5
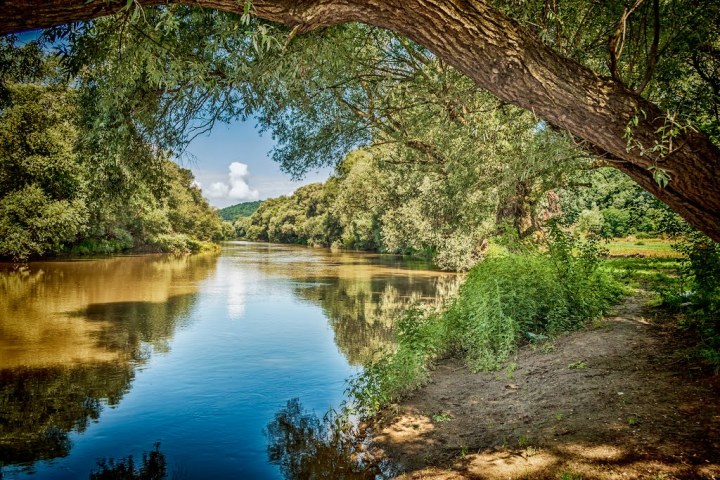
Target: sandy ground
x: 618, y: 400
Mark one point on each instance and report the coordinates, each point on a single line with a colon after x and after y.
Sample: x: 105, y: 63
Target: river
x: 189, y: 358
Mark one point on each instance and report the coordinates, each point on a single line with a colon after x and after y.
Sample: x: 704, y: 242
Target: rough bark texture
x: 501, y: 57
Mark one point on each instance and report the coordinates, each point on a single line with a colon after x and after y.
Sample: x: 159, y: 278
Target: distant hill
x: 244, y: 209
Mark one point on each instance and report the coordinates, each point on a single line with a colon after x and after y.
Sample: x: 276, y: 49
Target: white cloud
x: 236, y: 188
x: 218, y: 190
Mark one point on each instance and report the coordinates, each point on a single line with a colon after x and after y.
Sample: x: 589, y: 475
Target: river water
x: 192, y: 357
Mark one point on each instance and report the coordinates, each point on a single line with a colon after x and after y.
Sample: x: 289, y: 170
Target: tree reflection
x: 362, y: 311
x: 305, y: 446
x: 54, y: 380
x: 152, y: 467
x: 136, y: 325
x: 40, y: 406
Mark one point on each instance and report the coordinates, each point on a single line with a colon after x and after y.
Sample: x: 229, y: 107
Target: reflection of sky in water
x: 238, y: 281
x: 198, y: 353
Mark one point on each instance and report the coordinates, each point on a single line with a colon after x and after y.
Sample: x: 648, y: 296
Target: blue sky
x: 232, y: 164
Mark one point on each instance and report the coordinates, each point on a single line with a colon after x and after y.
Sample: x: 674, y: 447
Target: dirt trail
x: 631, y: 407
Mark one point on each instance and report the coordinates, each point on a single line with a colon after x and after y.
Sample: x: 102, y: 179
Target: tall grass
x: 504, y: 301
x: 698, y: 295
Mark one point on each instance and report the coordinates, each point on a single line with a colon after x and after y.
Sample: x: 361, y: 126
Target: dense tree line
x: 373, y: 203
x: 447, y: 165
x: 621, y: 75
x: 244, y: 209
x: 61, y: 191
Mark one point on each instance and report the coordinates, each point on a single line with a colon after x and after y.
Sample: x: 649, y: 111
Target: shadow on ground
x: 617, y: 400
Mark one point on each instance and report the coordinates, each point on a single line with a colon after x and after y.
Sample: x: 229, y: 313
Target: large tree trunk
x: 501, y: 57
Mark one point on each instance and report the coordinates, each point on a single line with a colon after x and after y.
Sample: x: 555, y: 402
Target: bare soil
x: 618, y: 400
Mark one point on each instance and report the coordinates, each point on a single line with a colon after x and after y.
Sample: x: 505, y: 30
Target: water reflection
x: 72, y: 335
x: 75, y: 336
x: 362, y: 311
x: 46, y: 307
x: 361, y: 294
x: 40, y: 406
x: 153, y: 466
x: 305, y: 446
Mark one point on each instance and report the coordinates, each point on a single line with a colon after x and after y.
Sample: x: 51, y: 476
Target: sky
x: 232, y: 164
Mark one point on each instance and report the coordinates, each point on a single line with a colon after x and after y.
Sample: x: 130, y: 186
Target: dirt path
x: 631, y: 407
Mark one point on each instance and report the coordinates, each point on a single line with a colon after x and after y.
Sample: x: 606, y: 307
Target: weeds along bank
x: 505, y: 301
x: 508, y: 301
x: 514, y: 299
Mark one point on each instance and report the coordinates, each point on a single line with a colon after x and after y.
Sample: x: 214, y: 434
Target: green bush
x: 509, y: 298
x: 700, y: 298
x: 177, y: 243
x: 589, y: 221
x: 616, y: 222
x: 93, y: 246
x: 503, y: 301
x: 32, y: 224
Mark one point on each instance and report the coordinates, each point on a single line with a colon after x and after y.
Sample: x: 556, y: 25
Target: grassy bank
x: 507, y: 300
x: 510, y: 300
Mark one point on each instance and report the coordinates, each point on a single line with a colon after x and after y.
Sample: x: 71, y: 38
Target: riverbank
x: 619, y: 399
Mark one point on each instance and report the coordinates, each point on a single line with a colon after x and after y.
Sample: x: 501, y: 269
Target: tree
x: 61, y: 190
x: 42, y: 184
x: 676, y: 163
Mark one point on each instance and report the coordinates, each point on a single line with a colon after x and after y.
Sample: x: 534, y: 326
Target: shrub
x: 590, y: 221
x: 175, y: 243
x: 92, y: 246
x: 31, y: 223
x: 503, y: 300
x: 700, y: 275
x: 616, y: 222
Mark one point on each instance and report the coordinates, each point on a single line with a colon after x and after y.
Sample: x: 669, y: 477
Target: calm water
x: 105, y: 358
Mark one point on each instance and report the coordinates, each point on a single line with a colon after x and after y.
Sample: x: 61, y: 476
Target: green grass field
x: 648, y: 247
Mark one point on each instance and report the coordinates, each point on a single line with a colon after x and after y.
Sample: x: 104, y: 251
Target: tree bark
x: 501, y: 57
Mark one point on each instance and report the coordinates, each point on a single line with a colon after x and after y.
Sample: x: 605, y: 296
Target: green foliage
x: 91, y: 246
x: 31, y: 224
x: 590, y: 221
x: 606, y: 202
x: 666, y: 51
x: 503, y: 300
x: 244, y: 209
x: 701, y: 269
x: 175, y: 243
x: 165, y: 74
x: 616, y: 222
x: 579, y: 365
x: 57, y: 195
x: 700, y: 276
x: 372, y: 203
x: 422, y: 338
x: 300, y: 218
x: 446, y: 158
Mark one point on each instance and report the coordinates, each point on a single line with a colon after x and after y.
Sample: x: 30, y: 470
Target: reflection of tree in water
x: 137, y: 325
x: 362, y: 311
x: 40, y: 406
x: 307, y: 447
x: 152, y: 467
